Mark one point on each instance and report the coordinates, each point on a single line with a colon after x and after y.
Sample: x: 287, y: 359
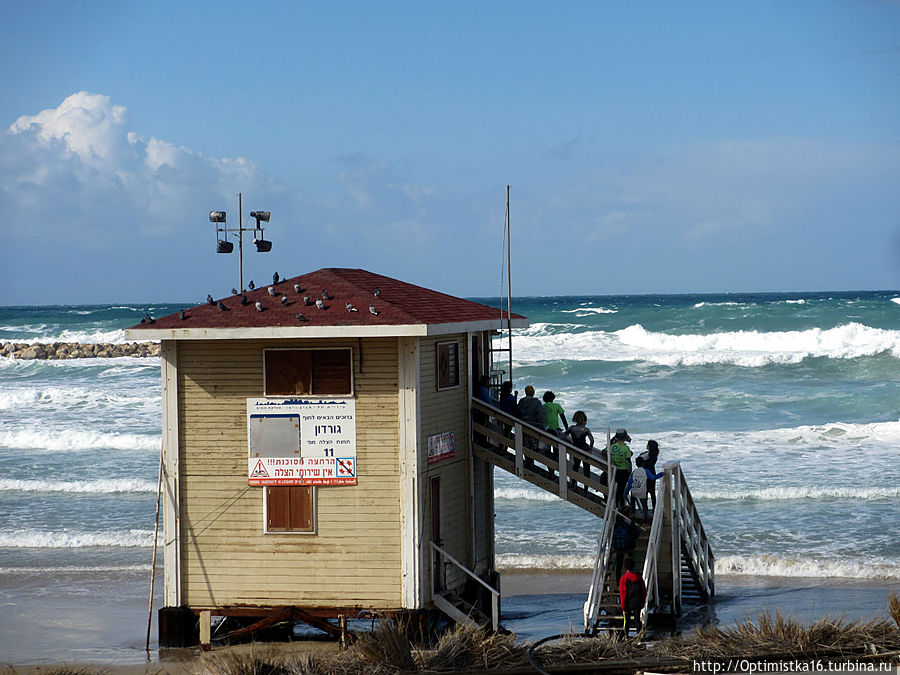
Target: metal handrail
x: 495, y: 594
x: 601, y: 566
x: 650, y: 572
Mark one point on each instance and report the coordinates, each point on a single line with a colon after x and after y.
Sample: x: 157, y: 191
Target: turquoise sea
x: 784, y: 410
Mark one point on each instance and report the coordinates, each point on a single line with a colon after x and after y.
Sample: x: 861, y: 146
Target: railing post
x: 520, y: 457
x: 676, y: 540
x: 563, y: 463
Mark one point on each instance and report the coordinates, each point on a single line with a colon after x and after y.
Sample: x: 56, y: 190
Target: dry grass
x: 779, y: 636
x: 894, y: 608
x: 465, y: 648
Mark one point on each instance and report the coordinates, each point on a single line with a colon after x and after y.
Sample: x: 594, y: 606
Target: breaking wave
x: 104, y: 486
x: 76, y: 440
x: 788, y: 493
x: 741, y: 348
x: 66, y: 539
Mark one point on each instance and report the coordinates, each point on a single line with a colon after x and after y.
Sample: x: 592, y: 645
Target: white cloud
x: 78, y: 169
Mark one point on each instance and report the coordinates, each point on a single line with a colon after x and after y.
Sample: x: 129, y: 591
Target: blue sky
x: 650, y: 147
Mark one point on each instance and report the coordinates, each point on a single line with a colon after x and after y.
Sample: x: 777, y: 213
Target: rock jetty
x: 76, y: 350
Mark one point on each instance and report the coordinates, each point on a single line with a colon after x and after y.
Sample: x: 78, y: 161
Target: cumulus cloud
x: 79, y: 169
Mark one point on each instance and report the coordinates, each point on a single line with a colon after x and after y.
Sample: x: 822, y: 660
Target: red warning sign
x: 259, y: 471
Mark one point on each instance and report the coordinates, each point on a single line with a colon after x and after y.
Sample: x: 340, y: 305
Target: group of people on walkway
x: 636, y: 483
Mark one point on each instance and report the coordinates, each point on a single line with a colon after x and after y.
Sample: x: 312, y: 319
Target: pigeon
x: 272, y: 291
x: 244, y: 300
x: 234, y: 291
x: 377, y: 292
x: 221, y: 306
x: 259, y: 307
x: 372, y: 310
x: 284, y: 300
x: 320, y: 304
x: 299, y: 316
x: 325, y: 294
x: 350, y: 308
x: 275, y: 278
x: 251, y: 285
x: 148, y: 319
x: 181, y: 314
x: 209, y: 299
x: 307, y: 300
x: 297, y: 289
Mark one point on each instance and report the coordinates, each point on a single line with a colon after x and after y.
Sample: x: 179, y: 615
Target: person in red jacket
x: 632, y: 594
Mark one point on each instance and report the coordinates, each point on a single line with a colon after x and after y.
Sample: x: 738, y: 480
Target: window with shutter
x: 290, y: 508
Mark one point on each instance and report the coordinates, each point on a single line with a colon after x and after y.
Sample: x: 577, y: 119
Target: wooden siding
x: 354, y: 558
x: 442, y: 411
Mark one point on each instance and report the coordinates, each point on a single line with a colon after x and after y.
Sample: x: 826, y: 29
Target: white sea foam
x: 800, y: 301
x: 102, y: 486
x: 788, y: 493
x: 764, y: 565
x: 718, y: 304
x: 69, y: 397
x: 29, y: 538
x: 522, y: 561
x: 76, y: 440
x: 587, y: 311
x: 75, y: 569
x: 524, y: 494
x: 742, y: 348
x: 897, y: 300
x: 780, y: 566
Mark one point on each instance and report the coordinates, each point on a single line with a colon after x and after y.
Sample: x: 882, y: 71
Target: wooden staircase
x: 675, y: 556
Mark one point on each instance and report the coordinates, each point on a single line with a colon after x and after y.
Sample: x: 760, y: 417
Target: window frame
x: 351, y: 394
x: 314, y: 530
x: 437, y: 365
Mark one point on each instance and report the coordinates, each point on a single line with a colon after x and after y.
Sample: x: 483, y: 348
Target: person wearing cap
x: 620, y: 456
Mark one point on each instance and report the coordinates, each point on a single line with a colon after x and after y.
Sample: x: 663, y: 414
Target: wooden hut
x: 317, y: 454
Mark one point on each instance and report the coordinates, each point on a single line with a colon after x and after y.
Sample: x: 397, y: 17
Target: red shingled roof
x: 400, y: 303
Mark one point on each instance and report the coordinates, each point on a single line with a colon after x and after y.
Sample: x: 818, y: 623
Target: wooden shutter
x: 331, y: 371
x: 288, y: 372
x: 290, y: 508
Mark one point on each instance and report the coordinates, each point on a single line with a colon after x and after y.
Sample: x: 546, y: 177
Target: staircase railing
x: 522, y: 451
x: 601, y: 567
x: 650, y: 571
x: 686, y: 520
x: 495, y: 594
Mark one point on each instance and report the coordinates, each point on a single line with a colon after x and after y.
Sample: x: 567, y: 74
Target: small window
x: 447, y: 365
x: 290, y: 508
x: 293, y: 372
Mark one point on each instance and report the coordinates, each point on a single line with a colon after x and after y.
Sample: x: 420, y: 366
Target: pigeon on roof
x: 299, y: 316
x: 244, y: 300
x: 325, y: 294
x: 377, y: 291
x: 272, y: 291
x: 307, y: 300
x: 297, y: 289
x: 181, y: 314
x: 372, y: 310
x: 221, y: 306
x: 209, y: 299
x: 234, y: 291
x: 350, y: 307
x: 284, y: 300
x: 275, y: 278
x: 320, y: 304
x: 259, y: 306
x: 251, y: 285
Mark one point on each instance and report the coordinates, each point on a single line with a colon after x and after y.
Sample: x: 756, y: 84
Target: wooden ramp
x: 674, y: 553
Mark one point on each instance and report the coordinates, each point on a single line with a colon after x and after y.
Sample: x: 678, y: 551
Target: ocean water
x: 784, y: 410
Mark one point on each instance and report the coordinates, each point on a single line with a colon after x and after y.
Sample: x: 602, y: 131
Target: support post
x: 205, y: 630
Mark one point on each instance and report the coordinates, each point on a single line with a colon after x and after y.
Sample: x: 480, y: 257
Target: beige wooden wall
x: 354, y: 558
x: 442, y: 411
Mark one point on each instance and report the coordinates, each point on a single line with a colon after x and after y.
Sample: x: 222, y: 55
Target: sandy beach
x: 107, y: 628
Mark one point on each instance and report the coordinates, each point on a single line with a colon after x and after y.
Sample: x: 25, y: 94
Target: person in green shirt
x: 553, y: 413
x: 620, y: 456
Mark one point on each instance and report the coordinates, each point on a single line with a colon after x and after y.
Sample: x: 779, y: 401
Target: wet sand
x: 53, y: 621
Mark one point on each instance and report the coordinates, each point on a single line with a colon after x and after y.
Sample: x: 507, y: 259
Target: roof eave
x: 293, y: 332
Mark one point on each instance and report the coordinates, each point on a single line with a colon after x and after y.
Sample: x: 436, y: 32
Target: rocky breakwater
x: 76, y: 350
